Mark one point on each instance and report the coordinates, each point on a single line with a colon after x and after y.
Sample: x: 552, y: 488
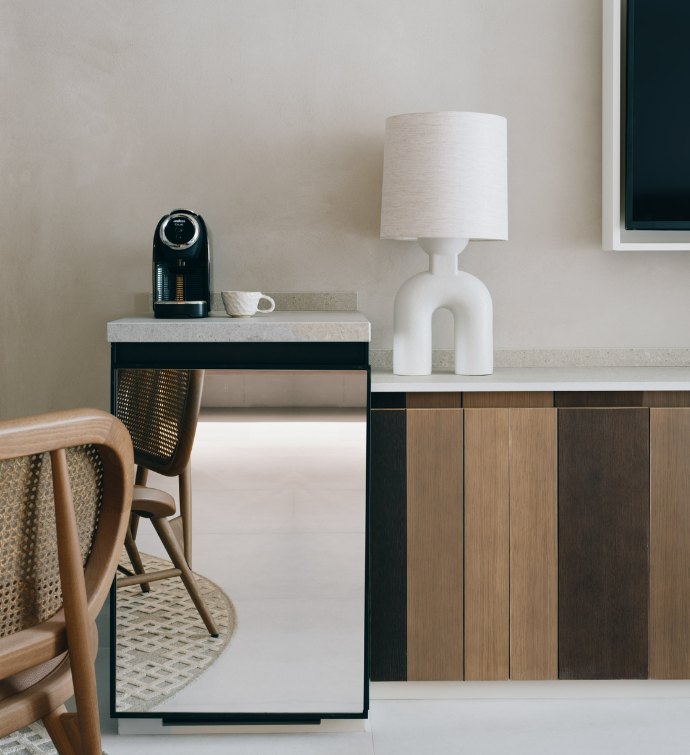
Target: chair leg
x: 162, y: 527
x: 55, y: 726
x: 141, y: 478
x: 142, y: 475
x: 185, y: 489
x: 135, y: 558
x: 134, y: 524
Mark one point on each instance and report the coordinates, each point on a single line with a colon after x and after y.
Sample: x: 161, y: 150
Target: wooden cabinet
x: 510, y: 543
x: 434, y: 543
x: 533, y: 544
x: 416, y: 539
x: 547, y: 536
x: 669, y: 608
x: 487, y: 529
x: 603, y: 565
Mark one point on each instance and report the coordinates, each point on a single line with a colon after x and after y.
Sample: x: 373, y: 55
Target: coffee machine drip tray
x: 174, y: 309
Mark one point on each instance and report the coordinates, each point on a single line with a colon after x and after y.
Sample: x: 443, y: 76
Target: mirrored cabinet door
x: 257, y: 481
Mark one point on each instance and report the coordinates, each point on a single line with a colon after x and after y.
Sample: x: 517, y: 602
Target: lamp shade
x: 445, y: 175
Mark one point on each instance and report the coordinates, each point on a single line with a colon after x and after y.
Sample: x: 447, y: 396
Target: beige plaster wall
x: 267, y: 117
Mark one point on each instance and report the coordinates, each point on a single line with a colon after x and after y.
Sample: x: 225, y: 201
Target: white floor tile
x: 350, y: 743
x: 463, y: 727
x: 531, y: 727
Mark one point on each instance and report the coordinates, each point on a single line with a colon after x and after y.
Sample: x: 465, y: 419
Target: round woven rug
x: 162, y: 643
x: 162, y: 646
x: 31, y: 740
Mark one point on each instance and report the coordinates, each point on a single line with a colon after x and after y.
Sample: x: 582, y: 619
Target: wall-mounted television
x: 657, y: 131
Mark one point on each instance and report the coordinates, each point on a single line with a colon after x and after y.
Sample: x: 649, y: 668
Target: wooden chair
x: 160, y: 408
x: 65, y: 492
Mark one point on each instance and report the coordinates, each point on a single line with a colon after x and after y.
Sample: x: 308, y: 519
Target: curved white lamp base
x: 443, y: 287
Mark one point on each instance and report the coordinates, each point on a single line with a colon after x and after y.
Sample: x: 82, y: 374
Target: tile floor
x: 467, y: 727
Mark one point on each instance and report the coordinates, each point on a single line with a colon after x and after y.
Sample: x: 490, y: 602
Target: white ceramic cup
x: 245, y: 303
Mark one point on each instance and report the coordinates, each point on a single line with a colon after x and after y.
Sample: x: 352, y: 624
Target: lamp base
x: 443, y: 287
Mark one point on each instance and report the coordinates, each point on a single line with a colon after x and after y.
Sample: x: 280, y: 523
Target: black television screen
x: 657, y: 172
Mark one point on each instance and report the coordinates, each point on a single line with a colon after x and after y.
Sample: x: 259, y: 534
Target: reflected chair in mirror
x: 160, y: 408
x: 65, y: 493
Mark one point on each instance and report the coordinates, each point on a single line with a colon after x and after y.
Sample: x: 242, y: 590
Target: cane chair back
x: 160, y: 409
x: 65, y: 497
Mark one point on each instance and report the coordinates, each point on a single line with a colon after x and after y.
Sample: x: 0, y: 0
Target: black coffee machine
x: 181, y: 266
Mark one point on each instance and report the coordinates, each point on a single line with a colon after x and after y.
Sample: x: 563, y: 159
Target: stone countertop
x: 541, y: 379
x: 274, y: 327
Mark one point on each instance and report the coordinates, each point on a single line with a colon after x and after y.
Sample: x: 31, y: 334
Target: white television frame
x: 615, y: 237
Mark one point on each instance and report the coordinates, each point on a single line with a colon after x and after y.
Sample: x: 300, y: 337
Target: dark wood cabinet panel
x: 603, y: 543
x: 592, y: 399
x: 435, y: 544
x: 669, y: 621
x: 388, y: 546
x: 598, y: 399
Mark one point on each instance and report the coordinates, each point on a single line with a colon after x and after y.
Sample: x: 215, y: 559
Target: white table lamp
x: 444, y: 183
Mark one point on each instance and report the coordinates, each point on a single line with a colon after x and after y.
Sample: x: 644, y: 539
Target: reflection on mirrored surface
x: 278, y: 519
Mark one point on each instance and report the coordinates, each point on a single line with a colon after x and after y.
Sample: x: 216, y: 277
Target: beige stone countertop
x: 276, y: 327
x: 541, y: 379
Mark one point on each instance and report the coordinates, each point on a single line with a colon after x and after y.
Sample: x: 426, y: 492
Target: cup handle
x: 268, y: 298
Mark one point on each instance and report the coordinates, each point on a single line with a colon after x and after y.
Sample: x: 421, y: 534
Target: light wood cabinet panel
x: 487, y: 544
x: 669, y: 621
x: 603, y: 518
x: 435, y: 544
x: 533, y: 544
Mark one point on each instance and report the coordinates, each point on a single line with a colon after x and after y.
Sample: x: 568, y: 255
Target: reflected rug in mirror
x: 162, y: 643
x: 31, y: 740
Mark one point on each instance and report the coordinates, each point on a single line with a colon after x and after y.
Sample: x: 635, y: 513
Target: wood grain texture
x: 388, y: 546
x: 436, y: 400
x: 435, y: 545
x: 666, y: 398
x: 507, y: 399
x: 669, y: 621
x: 603, y: 591
x: 533, y: 544
x: 487, y: 544
x: 592, y: 399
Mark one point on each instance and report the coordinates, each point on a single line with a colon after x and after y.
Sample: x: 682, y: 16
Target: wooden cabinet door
x: 603, y: 543
x: 510, y: 544
x: 533, y: 544
x: 388, y: 545
x: 669, y: 620
x: 435, y: 544
x: 487, y: 544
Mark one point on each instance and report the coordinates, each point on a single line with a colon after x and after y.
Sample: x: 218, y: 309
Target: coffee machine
x: 181, y: 266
